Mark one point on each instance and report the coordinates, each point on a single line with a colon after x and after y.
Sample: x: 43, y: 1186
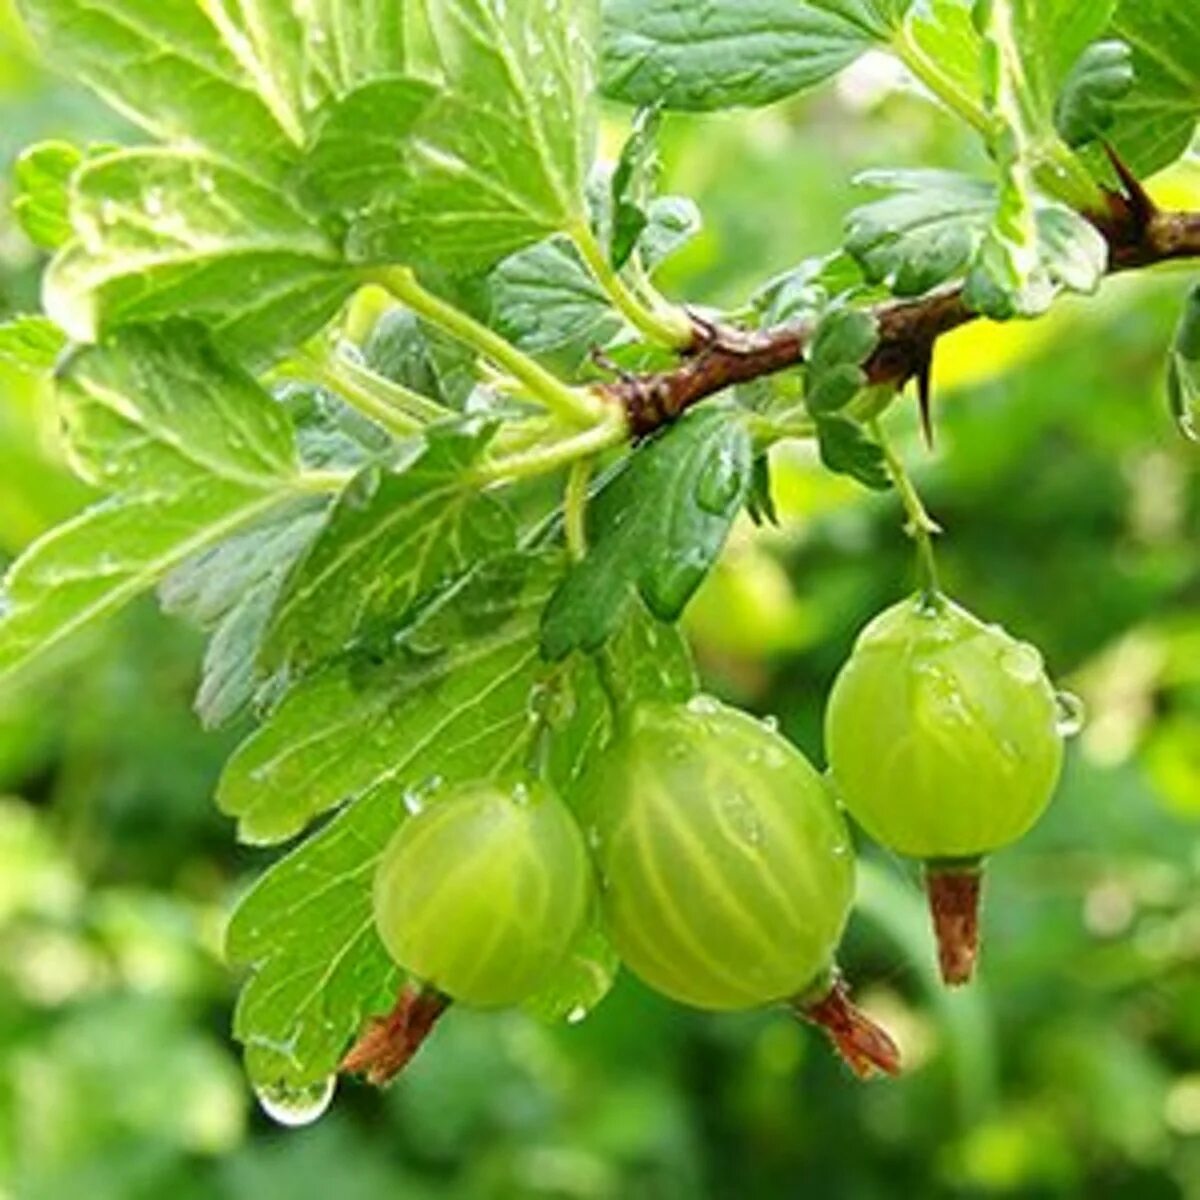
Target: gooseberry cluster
x: 715, y: 856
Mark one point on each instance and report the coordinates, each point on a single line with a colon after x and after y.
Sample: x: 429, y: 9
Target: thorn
x: 1142, y: 209
x: 925, y: 395
x: 390, y: 1043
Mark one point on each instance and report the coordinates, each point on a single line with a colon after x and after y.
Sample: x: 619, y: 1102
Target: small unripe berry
x: 483, y: 892
x: 943, y: 741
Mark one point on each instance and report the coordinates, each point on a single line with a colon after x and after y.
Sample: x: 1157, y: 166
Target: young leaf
x: 391, y: 541
x: 198, y: 452
x: 170, y: 232
x: 634, y: 183
x: 1156, y: 122
x: 31, y: 343
x: 500, y: 160
x: 931, y: 227
x: 846, y: 449
x: 231, y: 590
x: 1183, y: 369
x: 844, y: 340
x: 655, y: 529
x: 1086, y: 107
x: 445, y: 697
x: 735, y: 53
x: 41, y: 204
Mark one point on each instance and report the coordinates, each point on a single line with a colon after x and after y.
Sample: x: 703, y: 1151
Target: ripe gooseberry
x: 483, y: 892
x: 726, y: 872
x: 943, y: 744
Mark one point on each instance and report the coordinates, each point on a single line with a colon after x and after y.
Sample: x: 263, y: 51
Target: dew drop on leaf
x: 1071, y: 714
x: 295, y: 1107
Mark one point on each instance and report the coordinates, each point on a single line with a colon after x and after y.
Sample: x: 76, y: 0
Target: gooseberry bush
x: 363, y: 348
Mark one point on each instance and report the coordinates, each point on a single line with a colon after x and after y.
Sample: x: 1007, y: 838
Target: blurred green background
x: 1071, y: 1070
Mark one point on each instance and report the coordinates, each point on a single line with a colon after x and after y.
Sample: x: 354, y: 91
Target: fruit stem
x: 867, y: 1048
x: 390, y: 1043
x: 920, y: 526
x: 954, y: 891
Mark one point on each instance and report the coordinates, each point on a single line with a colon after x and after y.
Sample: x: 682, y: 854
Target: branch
x: 1138, y: 235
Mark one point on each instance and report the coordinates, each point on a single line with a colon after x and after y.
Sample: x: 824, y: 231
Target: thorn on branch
x: 925, y: 396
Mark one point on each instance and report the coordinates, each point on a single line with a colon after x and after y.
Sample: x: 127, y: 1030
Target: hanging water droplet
x: 719, y: 483
x: 577, y: 1014
x: 1023, y: 662
x: 295, y: 1107
x: 771, y: 724
x: 1071, y: 715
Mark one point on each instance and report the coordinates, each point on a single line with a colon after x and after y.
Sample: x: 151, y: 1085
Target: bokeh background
x: 1071, y: 1070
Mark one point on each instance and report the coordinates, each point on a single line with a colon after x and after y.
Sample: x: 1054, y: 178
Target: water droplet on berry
x: 703, y: 706
x: 1071, y: 714
x: 577, y: 1014
x: 771, y: 724
x: 295, y: 1107
x: 1023, y: 662
x: 743, y: 820
x: 520, y: 795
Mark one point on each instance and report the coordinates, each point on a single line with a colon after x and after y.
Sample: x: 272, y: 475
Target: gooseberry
x: 943, y: 744
x: 482, y: 893
x: 726, y: 871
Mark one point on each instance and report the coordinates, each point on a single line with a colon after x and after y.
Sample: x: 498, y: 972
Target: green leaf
x: 1183, y: 369
x: 199, y: 452
x: 634, y: 183
x: 734, y: 53
x: 31, y: 343
x: 843, y: 341
x: 1156, y: 122
x: 655, y: 529
x: 357, y: 155
x: 168, y: 232
x: 231, y: 591
x: 846, y: 449
x: 391, y: 541
x: 500, y: 160
x: 446, y: 697
x: 1086, y: 107
x: 156, y: 408
x: 545, y: 301
x: 43, y: 175
x: 933, y: 225
x: 180, y: 71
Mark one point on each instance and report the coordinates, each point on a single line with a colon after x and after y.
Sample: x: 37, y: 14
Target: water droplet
x: 742, y: 819
x: 294, y: 1107
x: 1023, y: 662
x: 520, y: 795
x: 720, y: 482
x: 595, y: 839
x: 1188, y: 426
x: 703, y: 706
x: 577, y: 1014
x: 1071, y: 714
x: 414, y: 802
x: 771, y: 724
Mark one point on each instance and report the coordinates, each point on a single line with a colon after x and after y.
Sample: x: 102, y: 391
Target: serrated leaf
x: 1156, y: 122
x: 799, y: 295
x: 41, y: 203
x: 545, y: 301
x: 391, y: 541
x: 847, y: 449
x: 634, y: 183
x: 671, y: 222
x: 655, y: 529
x: 500, y: 159
x: 931, y: 228
x: 425, y: 704
x: 199, y: 453
x: 169, y: 232
x: 1086, y: 106
x: 357, y: 155
x: 231, y: 591
x: 31, y: 343
x: 1183, y: 369
x: 734, y: 53
x: 242, y: 80
x: 156, y: 407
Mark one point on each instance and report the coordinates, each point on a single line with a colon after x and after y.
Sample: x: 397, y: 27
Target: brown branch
x: 1137, y: 234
